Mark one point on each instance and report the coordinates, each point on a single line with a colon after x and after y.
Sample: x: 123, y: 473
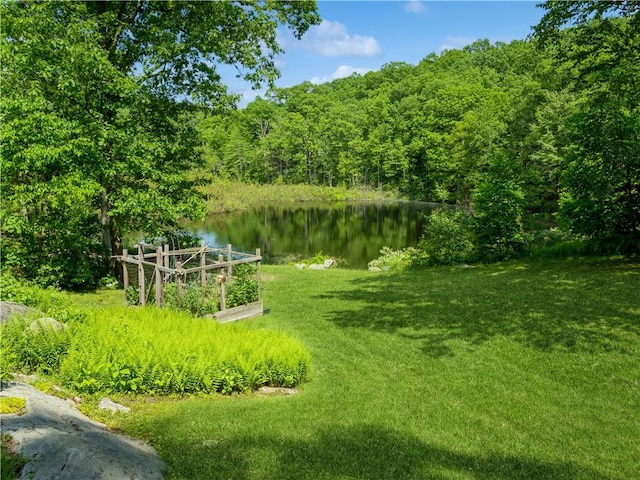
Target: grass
x: 10, y: 463
x: 511, y: 371
x: 15, y: 405
x: 228, y: 195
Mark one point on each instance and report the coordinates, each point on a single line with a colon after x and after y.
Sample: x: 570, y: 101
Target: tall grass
x: 227, y: 195
x: 509, y: 371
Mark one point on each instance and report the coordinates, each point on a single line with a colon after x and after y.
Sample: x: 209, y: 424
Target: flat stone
x: 277, y: 391
x: 108, y: 404
x: 300, y: 266
x: 316, y: 266
x: 375, y: 269
x: 328, y: 263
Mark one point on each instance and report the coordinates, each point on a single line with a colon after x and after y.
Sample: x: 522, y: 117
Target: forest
x: 550, y: 129
x: 114, y: 118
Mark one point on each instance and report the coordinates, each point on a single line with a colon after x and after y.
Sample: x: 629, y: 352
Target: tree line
x: 550, y: 124
x: 113, y: 112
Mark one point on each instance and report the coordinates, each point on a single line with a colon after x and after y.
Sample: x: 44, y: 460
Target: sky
x: 363, y: 35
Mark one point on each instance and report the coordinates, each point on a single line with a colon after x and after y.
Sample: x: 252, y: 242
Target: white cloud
x: 342, y: 72
x: 332, y: 39
x: 249, y: 95
x: 455, y: 43
x: 415, y: 6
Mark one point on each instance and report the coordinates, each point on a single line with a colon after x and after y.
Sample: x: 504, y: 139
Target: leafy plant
x: 132, y: 295
x: 49, y: 301
x: 244, y: 286
x: 446, y: 238
x: 161, y: 351
x: 197, y: 299
x: 498, y: 207
x: 33, y: 345
x: 403, y: 259
x: 10, y: 463
x: 12, y: 405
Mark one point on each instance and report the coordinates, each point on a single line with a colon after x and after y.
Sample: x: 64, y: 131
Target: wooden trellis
x: 175, y: 264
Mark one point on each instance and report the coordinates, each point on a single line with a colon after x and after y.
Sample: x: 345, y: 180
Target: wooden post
x: 203, y: 262
x: 159, y: 275
x: 125, y: 270
x: 229, y: 259
x: 222, y: 289
x: 165, y: 255
x: 141, y: 291
x: 258, y: 274
x: 222, y: 299
x: 179, y: 282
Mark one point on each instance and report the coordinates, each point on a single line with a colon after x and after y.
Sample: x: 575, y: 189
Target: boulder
x: 8, y: 309
x: 45, y: 322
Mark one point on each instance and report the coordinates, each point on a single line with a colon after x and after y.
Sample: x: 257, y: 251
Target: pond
x: 352, y: 233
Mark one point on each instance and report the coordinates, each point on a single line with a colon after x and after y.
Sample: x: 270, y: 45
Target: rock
x: 60, y: 442
x: 8, y: 309
x: 44, y: 322
x: 277, y: 391
x: 316, y: 266
x: 328, y: 263
x: 375, y: 269
x: 300, y: 266
x: 108, y: 404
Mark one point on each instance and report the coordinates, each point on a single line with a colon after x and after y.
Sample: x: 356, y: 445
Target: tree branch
x: 123, y: 22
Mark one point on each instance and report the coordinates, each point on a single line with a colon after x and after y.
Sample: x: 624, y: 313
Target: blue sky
x: 360, y: 36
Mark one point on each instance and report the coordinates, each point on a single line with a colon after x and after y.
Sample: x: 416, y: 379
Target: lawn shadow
x: 364, y: 452
x: 583, y: 308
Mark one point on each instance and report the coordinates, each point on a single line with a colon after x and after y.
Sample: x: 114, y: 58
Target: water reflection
x: 352, y: 232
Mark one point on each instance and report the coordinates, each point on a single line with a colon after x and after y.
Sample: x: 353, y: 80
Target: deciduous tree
x: 97, y: 104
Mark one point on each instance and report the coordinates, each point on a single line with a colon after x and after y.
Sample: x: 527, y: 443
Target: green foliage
x: 561, y: 106
x: 132, y: 295
x: 601, y: 170
x: 49, y: 301
x: 33, y: 345
x: 498, y: 208
x: 12, y: 405
x: 10, y: 463
x: 162, y: 351
x: 244, y: 286
x: 197, y: 299
x: 398, y: 260
x: 201, y: 300
x: 446, y: 238
x: 97, y: 148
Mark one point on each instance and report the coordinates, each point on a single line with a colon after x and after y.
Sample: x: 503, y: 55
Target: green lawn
x: 510, y: 371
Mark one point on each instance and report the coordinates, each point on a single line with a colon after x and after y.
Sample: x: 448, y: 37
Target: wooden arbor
x: 162, y: 265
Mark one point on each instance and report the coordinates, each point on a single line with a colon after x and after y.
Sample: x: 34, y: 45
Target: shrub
x: 403, y: 259
x: 160, y: 351
x: 446, y: 238
x: 199, y: 300
x: 30, y: 345
x: 498, y: 205
x: 49, y: 301
x: 244, y: 286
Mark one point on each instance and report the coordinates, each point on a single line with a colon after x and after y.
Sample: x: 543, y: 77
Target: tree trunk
x: 105, y: 221
x: 111, y: 239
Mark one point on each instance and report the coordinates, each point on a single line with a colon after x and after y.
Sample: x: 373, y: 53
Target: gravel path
x: 61, y: 443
